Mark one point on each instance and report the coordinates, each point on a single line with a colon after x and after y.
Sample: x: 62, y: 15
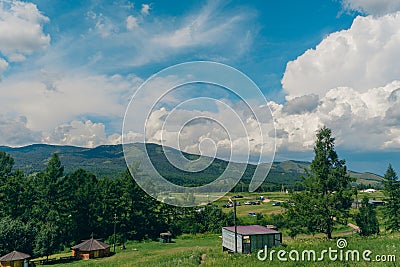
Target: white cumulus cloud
x: 50, y: 99
x: 14, y: 131
x: 145, y: 9
x: 362, y: 57
x: 3, y: 66
x: 21, y: 29
x: 78, y: 133
x: 131, y: 23
x: 361, y: 121
x: 372, y: 7
x: 350, y: 82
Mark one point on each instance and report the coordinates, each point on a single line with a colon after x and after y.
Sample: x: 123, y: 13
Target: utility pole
x: 234, y: 222
x: 356, y: 192
x: 115, y: 225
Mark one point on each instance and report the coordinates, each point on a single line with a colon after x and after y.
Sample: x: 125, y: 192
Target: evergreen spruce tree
x: 326, y: 199
x: 366, y: 219
x: 391, y: 187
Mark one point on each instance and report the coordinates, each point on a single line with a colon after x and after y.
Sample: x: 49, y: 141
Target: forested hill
x: 108, y: 160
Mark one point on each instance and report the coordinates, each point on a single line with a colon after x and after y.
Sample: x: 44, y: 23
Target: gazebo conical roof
x: 15, y: 256
x: 90, y: 245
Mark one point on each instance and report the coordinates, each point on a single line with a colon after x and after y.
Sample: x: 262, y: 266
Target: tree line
x: 47, y: 211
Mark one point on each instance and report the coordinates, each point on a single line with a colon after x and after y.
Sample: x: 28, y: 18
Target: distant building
x: 165, y: 237
x: 250, y: 238
x: 91, y: 248
x: 370, y: 190
x: 373, y: 202
x: 15, y: 259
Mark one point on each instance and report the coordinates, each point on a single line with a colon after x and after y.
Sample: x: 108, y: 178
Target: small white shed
x: 250, y: 238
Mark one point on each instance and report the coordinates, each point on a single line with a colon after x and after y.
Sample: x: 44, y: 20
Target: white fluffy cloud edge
x: 372, y: 7
x: 21, y: 31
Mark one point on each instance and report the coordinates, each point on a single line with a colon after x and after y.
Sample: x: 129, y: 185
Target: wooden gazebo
x: 91, y: 248
x: 14, y: 259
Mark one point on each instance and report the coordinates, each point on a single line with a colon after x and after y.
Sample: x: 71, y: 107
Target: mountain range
x: 108, y: 160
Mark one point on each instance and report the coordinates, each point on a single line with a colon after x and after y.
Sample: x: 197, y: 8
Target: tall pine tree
x: 326, y: 199
x: 391, y: 187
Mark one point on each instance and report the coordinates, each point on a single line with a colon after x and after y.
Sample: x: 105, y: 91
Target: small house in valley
x: 15, y: 259
x: 250, y: 238
x: 91, y: 248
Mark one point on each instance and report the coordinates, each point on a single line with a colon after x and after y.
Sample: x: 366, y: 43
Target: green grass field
x: 187, y: 250
x: 184, y: 251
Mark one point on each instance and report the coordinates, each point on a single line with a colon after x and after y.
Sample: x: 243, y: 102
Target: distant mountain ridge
x: 108, y: 160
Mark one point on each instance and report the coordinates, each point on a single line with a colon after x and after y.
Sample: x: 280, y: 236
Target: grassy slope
x: 187, y: 251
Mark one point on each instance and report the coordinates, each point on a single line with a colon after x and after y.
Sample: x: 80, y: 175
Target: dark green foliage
x: 6, y: 164
x: 44, y: 212
x: 327, y: 198
x: 47, y: 240
x: 366, y: 219
x: 78, y: 196
x: 16, y: 235
x: 137, y: 211
x: 12, y: 199
x: 54, y: 169
x: 278, y: 220
x: 200, y: 220
x: 391, y: 187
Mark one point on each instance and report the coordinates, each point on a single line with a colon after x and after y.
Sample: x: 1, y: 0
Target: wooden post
x: 115, y: 224
x: 234, y: 222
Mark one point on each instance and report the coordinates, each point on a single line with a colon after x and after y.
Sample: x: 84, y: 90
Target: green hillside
x: 108, y: 160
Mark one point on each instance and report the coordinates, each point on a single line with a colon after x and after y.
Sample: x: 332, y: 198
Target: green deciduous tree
x: 47, y: 240
x: 326, y: 199
x: 366, y: 218
x: 391, y: 187
x: 16, y: 235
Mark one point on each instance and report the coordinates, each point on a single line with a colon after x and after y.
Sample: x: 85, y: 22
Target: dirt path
x: 355, y: 227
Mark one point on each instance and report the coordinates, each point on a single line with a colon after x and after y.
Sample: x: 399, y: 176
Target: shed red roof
x: 251, y: 230
x: 90, y: 245
x: 15, y: 256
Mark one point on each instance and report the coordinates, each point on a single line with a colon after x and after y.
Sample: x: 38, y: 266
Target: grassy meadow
x: 187, y: 250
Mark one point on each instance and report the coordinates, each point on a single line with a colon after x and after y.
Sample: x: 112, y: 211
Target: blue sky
x: 279, y: 32
x: 69, y: 68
